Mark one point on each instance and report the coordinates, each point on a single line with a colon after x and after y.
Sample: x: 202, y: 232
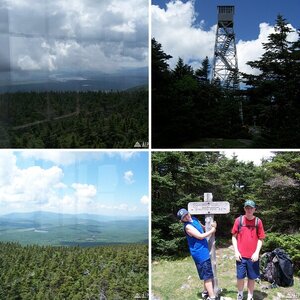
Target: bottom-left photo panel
x: 74, y: 224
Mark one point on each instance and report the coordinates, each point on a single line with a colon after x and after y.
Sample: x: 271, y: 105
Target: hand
x: 238, y: 256
x: 214, y: 224
x: 254, y: 257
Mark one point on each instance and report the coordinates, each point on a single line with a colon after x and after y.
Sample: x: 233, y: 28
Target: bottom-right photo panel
x: 225, y: 224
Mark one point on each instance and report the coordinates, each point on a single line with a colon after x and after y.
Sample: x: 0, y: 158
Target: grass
x: 219, y: 143
x: 178, y: 279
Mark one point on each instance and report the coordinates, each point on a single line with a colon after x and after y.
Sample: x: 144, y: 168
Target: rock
x: 185, y: 286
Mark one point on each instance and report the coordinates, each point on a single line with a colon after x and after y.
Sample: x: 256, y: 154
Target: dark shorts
x: 247, y: 268
x: 205, y: 270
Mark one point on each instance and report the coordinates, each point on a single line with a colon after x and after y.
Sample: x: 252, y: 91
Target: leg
x: 240, y: 284
x: 250, y: 285
x: 240, y: 276
x: 208, y: 285
x: 252, y: 273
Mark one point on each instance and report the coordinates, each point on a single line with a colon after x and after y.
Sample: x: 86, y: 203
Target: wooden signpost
x: 209, y: 209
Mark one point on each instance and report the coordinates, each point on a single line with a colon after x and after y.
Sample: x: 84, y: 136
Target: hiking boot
x: 204, y: 294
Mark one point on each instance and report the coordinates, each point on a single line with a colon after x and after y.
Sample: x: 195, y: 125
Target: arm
x: 192, y: 231
x: 255, y: 255
x: 237, y: 254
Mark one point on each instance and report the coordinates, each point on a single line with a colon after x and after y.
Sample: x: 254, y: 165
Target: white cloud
x: 31, y: 187
x: 27, y: 63
x: 46, y: 188
x: 7, y: 167
x: 78, y: 35
x: 128, y: 177
x: 145, y: 200
x: 253, y: 50
x: 84, y: 190
x: 177, y: 23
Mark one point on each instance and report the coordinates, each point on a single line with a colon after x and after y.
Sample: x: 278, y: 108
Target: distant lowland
x: 56, y: 229
x: 38, y: 81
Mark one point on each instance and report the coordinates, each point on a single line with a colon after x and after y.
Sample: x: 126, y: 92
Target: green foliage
x: 182, y: 177
x: 74, y: 120
x: 289, y: 243
x: 275, y: 91
x: 36, y: 272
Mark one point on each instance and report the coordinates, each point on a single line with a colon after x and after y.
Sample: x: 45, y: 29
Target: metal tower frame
x: 225, y: 64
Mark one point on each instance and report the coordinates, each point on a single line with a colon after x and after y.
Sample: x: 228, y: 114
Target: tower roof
x: 225, y: 13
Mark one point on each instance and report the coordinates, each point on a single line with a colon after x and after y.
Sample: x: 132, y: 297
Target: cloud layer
x: 55, y: 35
x: 176, y: 29
x: 46, y: 188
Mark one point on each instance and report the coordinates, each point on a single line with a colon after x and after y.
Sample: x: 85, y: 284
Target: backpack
x: 277, y: 268
x: 241, y: 224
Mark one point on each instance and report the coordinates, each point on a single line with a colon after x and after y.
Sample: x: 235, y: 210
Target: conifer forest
x: 74, y: 120
x: 46, y: 272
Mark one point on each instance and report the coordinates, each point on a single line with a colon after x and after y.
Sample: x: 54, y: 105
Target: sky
x: 249, y: 155
x: 187, y: 28
x: 67, y: 36
x: 96, y: 182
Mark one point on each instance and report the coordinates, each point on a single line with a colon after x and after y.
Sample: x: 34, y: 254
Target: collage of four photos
x: 149, y: 149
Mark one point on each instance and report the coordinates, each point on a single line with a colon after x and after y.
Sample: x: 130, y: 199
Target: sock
x: 250, y: 296
x: 241, y: 293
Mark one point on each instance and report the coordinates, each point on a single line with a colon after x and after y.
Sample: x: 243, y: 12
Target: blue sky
x: 187, y: 29
x: 98, y: 182
x: 248, y: 14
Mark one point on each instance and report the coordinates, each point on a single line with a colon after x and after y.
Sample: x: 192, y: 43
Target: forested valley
x: 74, y: 119
x: 182, y: 177
x: 189, y: 111
x: 46, y: 272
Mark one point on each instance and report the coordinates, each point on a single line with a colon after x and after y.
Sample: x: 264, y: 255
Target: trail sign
x: 209, y: 209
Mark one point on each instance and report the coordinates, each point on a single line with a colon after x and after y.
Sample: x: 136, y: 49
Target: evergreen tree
x: 202, y: 73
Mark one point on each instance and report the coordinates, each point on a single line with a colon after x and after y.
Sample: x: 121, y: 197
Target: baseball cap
x: 182, y: 213
x: 249, y: 203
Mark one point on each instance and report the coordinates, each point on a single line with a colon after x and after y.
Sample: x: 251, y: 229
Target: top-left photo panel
x: 74, y: 74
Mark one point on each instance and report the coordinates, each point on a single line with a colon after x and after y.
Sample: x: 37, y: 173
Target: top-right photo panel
x: 225, y: 74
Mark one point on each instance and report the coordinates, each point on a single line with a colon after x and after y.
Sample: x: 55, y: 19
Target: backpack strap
x: 256, y: 225
x: 241, y: 224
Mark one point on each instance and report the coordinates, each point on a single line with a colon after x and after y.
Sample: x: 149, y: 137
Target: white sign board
x: 208, y: 208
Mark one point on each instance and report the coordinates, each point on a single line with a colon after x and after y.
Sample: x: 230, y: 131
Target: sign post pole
x: 209, y: 208
x: 209, y: 218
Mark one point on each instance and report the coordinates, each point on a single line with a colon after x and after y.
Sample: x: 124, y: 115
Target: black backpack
x: 277, y: 268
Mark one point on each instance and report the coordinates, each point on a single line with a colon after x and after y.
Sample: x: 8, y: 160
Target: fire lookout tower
x: 225, y: 66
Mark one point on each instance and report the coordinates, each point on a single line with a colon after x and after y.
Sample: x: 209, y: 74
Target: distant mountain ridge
x: 48, y: 228
x: 52, y: 215
x: 69, y: 81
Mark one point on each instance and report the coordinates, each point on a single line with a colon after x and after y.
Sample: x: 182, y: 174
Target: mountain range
x: 47, y: 228
x: 69, y: 81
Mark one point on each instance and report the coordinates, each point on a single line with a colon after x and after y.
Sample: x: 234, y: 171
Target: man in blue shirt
x: 198, y: 246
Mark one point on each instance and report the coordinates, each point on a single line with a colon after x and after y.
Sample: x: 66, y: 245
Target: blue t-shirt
x: 198, y: 248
